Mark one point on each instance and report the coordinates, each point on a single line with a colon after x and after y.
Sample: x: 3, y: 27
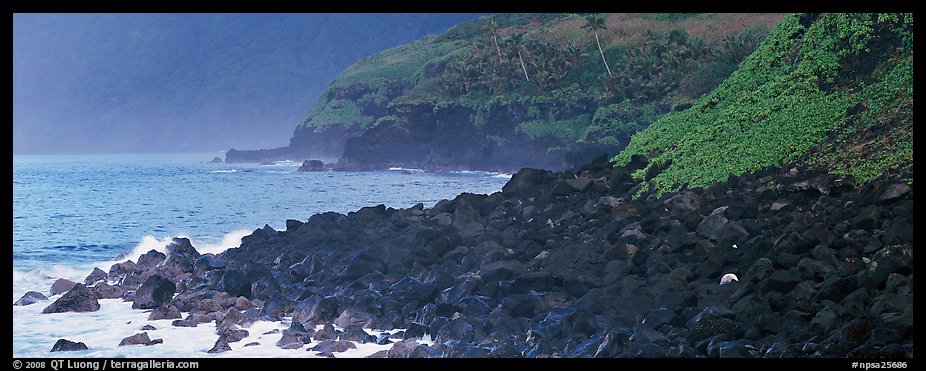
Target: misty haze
x: 115, y: 83
x: 512, y: 185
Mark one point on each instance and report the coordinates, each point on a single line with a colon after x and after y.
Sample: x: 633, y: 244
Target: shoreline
x: 534, y: 270
x: 103, y: 330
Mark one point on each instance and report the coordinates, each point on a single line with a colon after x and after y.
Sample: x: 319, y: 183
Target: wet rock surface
x: 139, y: 339
x: 64, y: 345
x: 312, y: 165
x: 78, y: 299
x: 30, y: 298
x: 569, y: 264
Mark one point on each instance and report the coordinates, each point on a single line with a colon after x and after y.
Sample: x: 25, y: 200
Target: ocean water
x: 72, y: 213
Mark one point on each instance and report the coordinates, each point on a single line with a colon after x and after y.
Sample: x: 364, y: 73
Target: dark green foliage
x: 805, y: 84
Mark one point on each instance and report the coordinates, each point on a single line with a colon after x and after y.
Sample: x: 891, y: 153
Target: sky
x: 141, y: 83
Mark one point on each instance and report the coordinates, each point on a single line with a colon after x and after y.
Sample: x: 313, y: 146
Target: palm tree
x: 516, y: 40
x: 596, y: 24
x: 492, y: 27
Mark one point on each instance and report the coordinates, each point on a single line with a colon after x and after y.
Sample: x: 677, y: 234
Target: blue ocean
x: 75, y: 212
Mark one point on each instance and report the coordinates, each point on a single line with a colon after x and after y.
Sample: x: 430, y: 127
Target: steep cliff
x: 514, y: 90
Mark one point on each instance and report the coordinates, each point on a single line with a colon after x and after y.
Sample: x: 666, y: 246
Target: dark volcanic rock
x: 613, y: 343
x: 326, y: 333
x: 139, y: 339
x: 103, y: 290
x: 414, y: 331
x: 357, y: 334
x: 207, y: 262
x: 151, y: 259
x: 181, y: 246
x: 277, y: 307
x: 524, y: 180
x: 333, y: 346
x: 316, y: 309
x: 409, y: 288
x: 402, y: 349
x: 888, y: 260
x: 729, y: 349
x: 95, y: 276
x: 351, y: 317
x: 868, y: 218
x: 61, y: 286
x: 78, y: 299
x: 166, y: 311
x: 533, y: 281
x: 579, y: 265
x: 232, y: 335
x: 894, y: 192
x: 659, y: 317
x: 822, y: 184
x: 220, y: 346
x: 312, y: 165
x: 29, y: 298
x: 291, y: 342
x: 155, y: 292
x: 63, y: 345
x: 457, y: 330
x: 710, y: 322
x: 235, y: 283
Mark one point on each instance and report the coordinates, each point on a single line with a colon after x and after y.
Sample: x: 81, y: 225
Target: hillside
x: 184, y: 82
x: 514, y: 90
x: 830, y: 91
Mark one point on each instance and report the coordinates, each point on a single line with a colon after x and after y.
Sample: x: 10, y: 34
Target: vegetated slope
x: 184, y: 82
x: 833, y: 91
x: 515, y: 90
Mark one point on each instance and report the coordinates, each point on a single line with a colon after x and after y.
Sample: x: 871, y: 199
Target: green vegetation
x: 830, y: 90
x: 560, y: 79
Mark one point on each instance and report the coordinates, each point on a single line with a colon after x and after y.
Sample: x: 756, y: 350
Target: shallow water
x: 102, y: 331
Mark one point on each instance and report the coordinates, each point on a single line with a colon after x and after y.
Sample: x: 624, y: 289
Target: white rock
x: 727, y: 278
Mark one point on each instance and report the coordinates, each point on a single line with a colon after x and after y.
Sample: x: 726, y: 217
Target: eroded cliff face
x: 306, y: 143
x: 422, y: 136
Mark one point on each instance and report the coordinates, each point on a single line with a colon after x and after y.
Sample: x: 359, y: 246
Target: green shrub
x: 783, y: 100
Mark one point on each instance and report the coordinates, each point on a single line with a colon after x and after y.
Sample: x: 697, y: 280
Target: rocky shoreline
x: 565, y: 264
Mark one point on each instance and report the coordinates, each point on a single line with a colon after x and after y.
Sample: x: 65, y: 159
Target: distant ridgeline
x: 828, y: 91
x: 515, y: 90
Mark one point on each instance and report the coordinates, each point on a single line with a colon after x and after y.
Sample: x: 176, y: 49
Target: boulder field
x: 567, y: 264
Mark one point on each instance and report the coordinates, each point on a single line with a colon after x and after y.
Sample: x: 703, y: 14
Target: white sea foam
x: 40, y: 278
x: 146, y: 244
x: 149, y: 242
x: 411, y: 170
x: 287, y: 163
x: 484, y: 173
x: 35, y: 333
x: 230, y: 240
